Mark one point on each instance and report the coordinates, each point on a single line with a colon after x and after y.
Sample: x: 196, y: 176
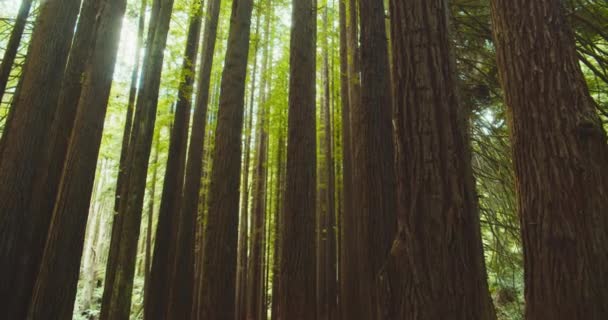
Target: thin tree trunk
x: 170, y: 289
x: 150, y: 220
x: 22, y: 236
x: 439, y: 239
x: 330, y: 223
x: 221, y: 235
x: 349, y: 287
x: 55, y: 289
x: 12, y: 46
x: 258, y: 212
x: 244, y: 236
x: 119, y: 275
x: 276, y: 264
x: 135, y: 79
x: 560, y: 155
x: 297, y: 299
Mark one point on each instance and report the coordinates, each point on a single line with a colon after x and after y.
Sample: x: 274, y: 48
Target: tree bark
x: 150, y: 220
x: 560, y: 155
x: 297, y: 299
x: 221, y: 235
x: 170, y: 289
x: 22, y: 237
x: 116, y: 302
x: 55, y: 289
x: 373, y: 158
x: 438, y: 269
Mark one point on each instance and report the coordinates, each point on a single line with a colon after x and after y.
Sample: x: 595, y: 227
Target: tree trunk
x: 150, y: 220
x: 221, y: 235
x: 438, y: 269
x: 55, y: 289
x: 24, y: 141
x: 297, y: 299
x: 276, y: 263
x: 116, y: 302
x: 347, y: 204
x: 258, y: 213
x: 560, y: 155
x: 373, y: 171
x: 170, y: 287
x: 135, y: 79
x: 13, y: 44
x: 349, y: 287
x: 242, y: 279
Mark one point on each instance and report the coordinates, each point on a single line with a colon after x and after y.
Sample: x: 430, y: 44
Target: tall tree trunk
x: 12, y: 46
x: 150, y: 220
x: 242, y: 279
x: 258, y: 213
x: 346, y: 208
x: 173, y: 225
x: 116, y: 302
x: 349, y: 287
x: 374, y: 175
x: 221, y: 235
x: 276, y: 263
x: 327, y: 223
x: 560, y: 155
x: 22, y: 236
x: 297, y: 299
x: 438, y: 260
x: 55, y: 289
x: 135, y: 79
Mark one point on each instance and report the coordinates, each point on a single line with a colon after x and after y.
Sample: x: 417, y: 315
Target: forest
x: 304, y: 159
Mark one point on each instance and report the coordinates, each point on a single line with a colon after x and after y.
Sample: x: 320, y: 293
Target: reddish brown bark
x: 560, y: 155
x: 297, y: 285
x: 171, y: 277
x: 23, y: 146
x: 221, y: 233
x: 55, y: 290
x: 438, y: 264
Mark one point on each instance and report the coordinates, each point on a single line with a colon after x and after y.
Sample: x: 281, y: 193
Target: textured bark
x: 373, y: 171
x: 170, y: 290
x: 560, y: 155
x: 55, y: 289
x: 297, y: 298
x: 22, y: 236
x: 12, y: 46
x: 438, y: 263
x: 221, y: 234
x: 116, y: 302
x: 135, y: 78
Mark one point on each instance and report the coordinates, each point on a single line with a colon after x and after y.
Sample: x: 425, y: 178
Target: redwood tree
x: 23, y: 144
x: 221, y: 233
x: 560, y: 156
x: 438, y: 269
x: 297, y: 280
x: 55, y: 290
